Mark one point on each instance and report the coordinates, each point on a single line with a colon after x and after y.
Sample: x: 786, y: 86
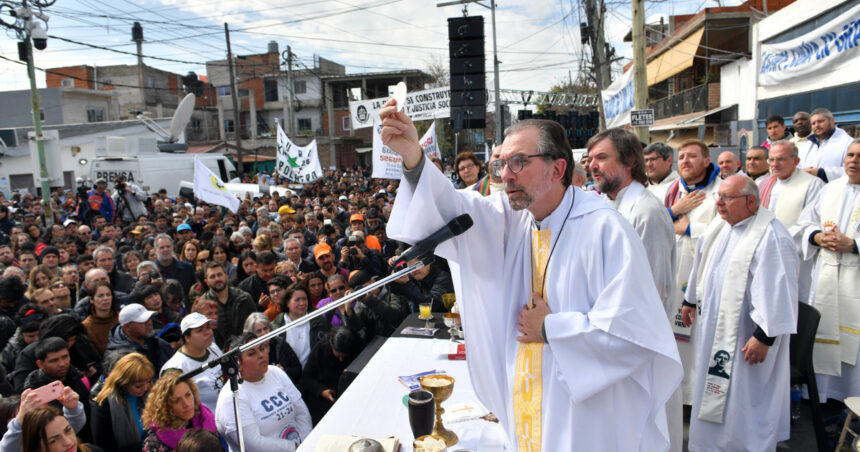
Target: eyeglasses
x: 515, y: 164
x: 467, y: 166
x: 203, y: 260
x: 726, y: 198
x: 275, y: 291
x: 57, y: 285
x: 773, y: 160
x: 338, y: 288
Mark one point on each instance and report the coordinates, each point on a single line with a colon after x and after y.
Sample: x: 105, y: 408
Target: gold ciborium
x: 441, y: 386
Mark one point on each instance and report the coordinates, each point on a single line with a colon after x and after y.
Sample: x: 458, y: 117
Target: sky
x: 538, y: 40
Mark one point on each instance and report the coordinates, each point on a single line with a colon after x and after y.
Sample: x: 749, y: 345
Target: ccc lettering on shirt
x: 276, y: 403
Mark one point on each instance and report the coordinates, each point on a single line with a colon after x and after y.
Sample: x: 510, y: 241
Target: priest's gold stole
x: 528, y: 390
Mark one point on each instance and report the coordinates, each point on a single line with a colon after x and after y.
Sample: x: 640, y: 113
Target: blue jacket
x: 104, y: 203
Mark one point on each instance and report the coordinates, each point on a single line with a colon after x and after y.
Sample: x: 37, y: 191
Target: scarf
x: 202, y: 420
x: 125, y: 427
x: 716, y: 389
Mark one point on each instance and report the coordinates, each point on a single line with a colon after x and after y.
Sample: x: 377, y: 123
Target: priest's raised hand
x: 398, y: 133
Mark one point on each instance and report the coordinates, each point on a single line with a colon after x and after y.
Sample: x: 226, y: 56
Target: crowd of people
x: 115, y: 302
x: 126, y: 291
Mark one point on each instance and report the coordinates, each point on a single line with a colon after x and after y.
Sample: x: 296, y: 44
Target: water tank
x: 273, y: 47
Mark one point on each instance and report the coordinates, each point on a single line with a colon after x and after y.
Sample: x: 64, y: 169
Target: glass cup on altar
x: 422, y: 412
x: 448, y: 300
x: 424, y: 311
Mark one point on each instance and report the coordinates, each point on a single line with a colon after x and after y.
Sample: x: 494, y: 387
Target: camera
x: 40, y: 37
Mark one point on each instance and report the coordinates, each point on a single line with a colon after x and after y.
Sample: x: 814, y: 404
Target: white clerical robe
x: 802, y: 189
x: 848, y: 384
x: 653, y: 224
x: 827, y: 154
x: 610, y: 363
x: 659, y: 189
x: 699, y: 218
x: 758, y: 408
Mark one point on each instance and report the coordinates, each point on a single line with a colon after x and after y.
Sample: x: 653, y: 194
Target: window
x: 224, y: 90
x: 150, y: 82
x: 345, y: 123
x: 68, y: 82
x: 270, y: 86
x: 305, y: 124
x: 41, y: 114
x: 95, y: 114
x: 228, y: 126
x: 243, y: 92
x: 195, y: 124
x: 300, y: 87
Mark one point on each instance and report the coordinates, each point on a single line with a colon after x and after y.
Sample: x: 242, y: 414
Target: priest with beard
x: 617, y: 168
x: 567, y: 335
x: 690, y: 202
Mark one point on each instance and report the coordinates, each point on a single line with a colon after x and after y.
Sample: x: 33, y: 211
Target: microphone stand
x: 228, y: 361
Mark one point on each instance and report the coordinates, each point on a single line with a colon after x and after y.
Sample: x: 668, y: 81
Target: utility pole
x: 640, y: 76
x: 595, y: 10
x: 237, y: 113
x: 290, y: 85
x: 28, y: 32
x: 40, y: 143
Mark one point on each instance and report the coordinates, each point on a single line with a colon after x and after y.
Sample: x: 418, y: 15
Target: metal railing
x: 685, y: 102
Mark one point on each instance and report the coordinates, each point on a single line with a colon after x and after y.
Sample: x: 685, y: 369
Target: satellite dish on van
x: 172, y: 140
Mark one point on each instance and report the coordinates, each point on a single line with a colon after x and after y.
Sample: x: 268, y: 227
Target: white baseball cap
x: 194, y: 320
x: 136, y: 313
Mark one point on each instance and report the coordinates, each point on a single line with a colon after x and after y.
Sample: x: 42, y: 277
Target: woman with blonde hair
x: 173, y: 408
x: 41, y: 277
x: 117, y: 407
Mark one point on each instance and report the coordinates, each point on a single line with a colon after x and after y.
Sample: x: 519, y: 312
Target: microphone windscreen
x: 460, y: 224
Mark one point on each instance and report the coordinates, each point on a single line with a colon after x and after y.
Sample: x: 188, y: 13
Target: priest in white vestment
x: 617, y: 168
x: 756, y: 166
x: 566, y: 336
x: 831, y: 235
x: 785, y: 193
x: 658, y: 168
x: 824, y: 157
x: 690, y: 202
x: 743, y: 282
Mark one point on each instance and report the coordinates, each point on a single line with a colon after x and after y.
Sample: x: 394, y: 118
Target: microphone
x: 455, y: 227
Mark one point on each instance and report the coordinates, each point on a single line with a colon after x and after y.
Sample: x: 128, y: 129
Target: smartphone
x: 49, y: 392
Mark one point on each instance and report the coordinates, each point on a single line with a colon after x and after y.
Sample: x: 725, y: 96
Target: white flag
x: 297, y: 164
x: 429, y: 143
x: 386, y: 163
x: 208, y: 187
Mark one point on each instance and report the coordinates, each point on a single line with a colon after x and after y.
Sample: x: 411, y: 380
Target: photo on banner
x: 297, y: 164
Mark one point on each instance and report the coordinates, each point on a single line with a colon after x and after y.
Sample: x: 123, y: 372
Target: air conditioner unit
x: 68, y: 83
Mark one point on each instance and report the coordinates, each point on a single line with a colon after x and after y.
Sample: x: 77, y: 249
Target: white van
x: 138, y: 160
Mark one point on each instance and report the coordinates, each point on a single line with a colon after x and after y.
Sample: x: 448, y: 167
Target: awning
x: 675, y: 59
x: 708, y: 113
x: 363, y: 150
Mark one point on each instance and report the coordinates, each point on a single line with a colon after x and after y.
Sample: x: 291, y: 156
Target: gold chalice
x: 441, y: 386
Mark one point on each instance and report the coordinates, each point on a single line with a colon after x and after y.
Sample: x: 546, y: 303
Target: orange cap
x: 321, y: 249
